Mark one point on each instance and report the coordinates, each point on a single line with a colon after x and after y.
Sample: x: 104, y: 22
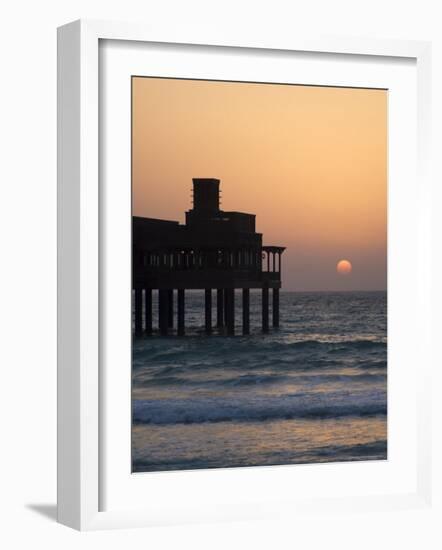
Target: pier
x: 214, y: 251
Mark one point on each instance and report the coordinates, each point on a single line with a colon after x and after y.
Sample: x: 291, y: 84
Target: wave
x: 302, y: 354
x: 337, y: 344
x: 259, y: 408
x: 374, y: 449
x: 371, y: 450
x: 247, y: 343
x: 252, y: 380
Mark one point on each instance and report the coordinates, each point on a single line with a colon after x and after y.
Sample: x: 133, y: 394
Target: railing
x: 248, y: 260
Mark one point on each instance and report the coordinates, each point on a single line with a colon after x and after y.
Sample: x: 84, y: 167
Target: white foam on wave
x: 259, y: 407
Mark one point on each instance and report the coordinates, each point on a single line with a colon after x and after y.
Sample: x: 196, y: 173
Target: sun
x: 344, y: 267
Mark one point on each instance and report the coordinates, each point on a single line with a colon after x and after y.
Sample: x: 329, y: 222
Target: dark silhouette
x: 213, y: 250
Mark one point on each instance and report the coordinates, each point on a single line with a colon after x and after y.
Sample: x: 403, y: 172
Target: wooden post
x: 265, y: 308
x: 148, y: 310
x: 208, y: 310
x: 219, y: 308
x: 230, y: 311
x: 245, y: 311
x: 276, y: 307
x: 163, y: 309
x: 181, y: 311
x: 138, y: 312
x: 170, y: 308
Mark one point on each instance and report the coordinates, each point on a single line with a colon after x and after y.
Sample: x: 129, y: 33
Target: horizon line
x: 340, y: 290
x: 302, y: 291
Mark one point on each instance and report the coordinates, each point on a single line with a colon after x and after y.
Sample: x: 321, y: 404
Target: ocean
x: 312, y: 391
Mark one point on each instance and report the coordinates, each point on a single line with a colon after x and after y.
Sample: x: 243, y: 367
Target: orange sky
x: 310, y: 162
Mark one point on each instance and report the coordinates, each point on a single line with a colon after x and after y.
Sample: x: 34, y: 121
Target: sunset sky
x: 310, y: 162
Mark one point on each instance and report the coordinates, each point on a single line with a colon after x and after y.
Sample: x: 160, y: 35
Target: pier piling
x: 275, y: 315
x: 148, y: 310
x: 208, y: 310
x: 181, y: 311
x: 225, y: 307
x: 138, y: 312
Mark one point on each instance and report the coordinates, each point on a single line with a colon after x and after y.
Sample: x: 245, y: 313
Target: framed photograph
x: 243, y: 276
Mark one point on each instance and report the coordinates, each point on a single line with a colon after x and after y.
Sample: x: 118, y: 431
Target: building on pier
x: 214, y: 250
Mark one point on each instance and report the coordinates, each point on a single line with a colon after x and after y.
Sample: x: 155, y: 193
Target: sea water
x: 314, y: 390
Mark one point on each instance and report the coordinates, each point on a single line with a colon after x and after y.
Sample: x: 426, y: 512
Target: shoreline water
x: 314, y: 390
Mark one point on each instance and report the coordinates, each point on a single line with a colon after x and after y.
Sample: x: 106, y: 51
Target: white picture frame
x: 80, y: 434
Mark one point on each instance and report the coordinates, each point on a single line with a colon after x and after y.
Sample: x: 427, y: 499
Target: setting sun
x: 344, y: 267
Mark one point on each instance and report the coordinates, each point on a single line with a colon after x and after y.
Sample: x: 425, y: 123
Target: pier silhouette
x: 214, y: 250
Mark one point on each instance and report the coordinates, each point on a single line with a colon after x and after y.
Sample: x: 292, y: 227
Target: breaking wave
x: 261, y: 408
